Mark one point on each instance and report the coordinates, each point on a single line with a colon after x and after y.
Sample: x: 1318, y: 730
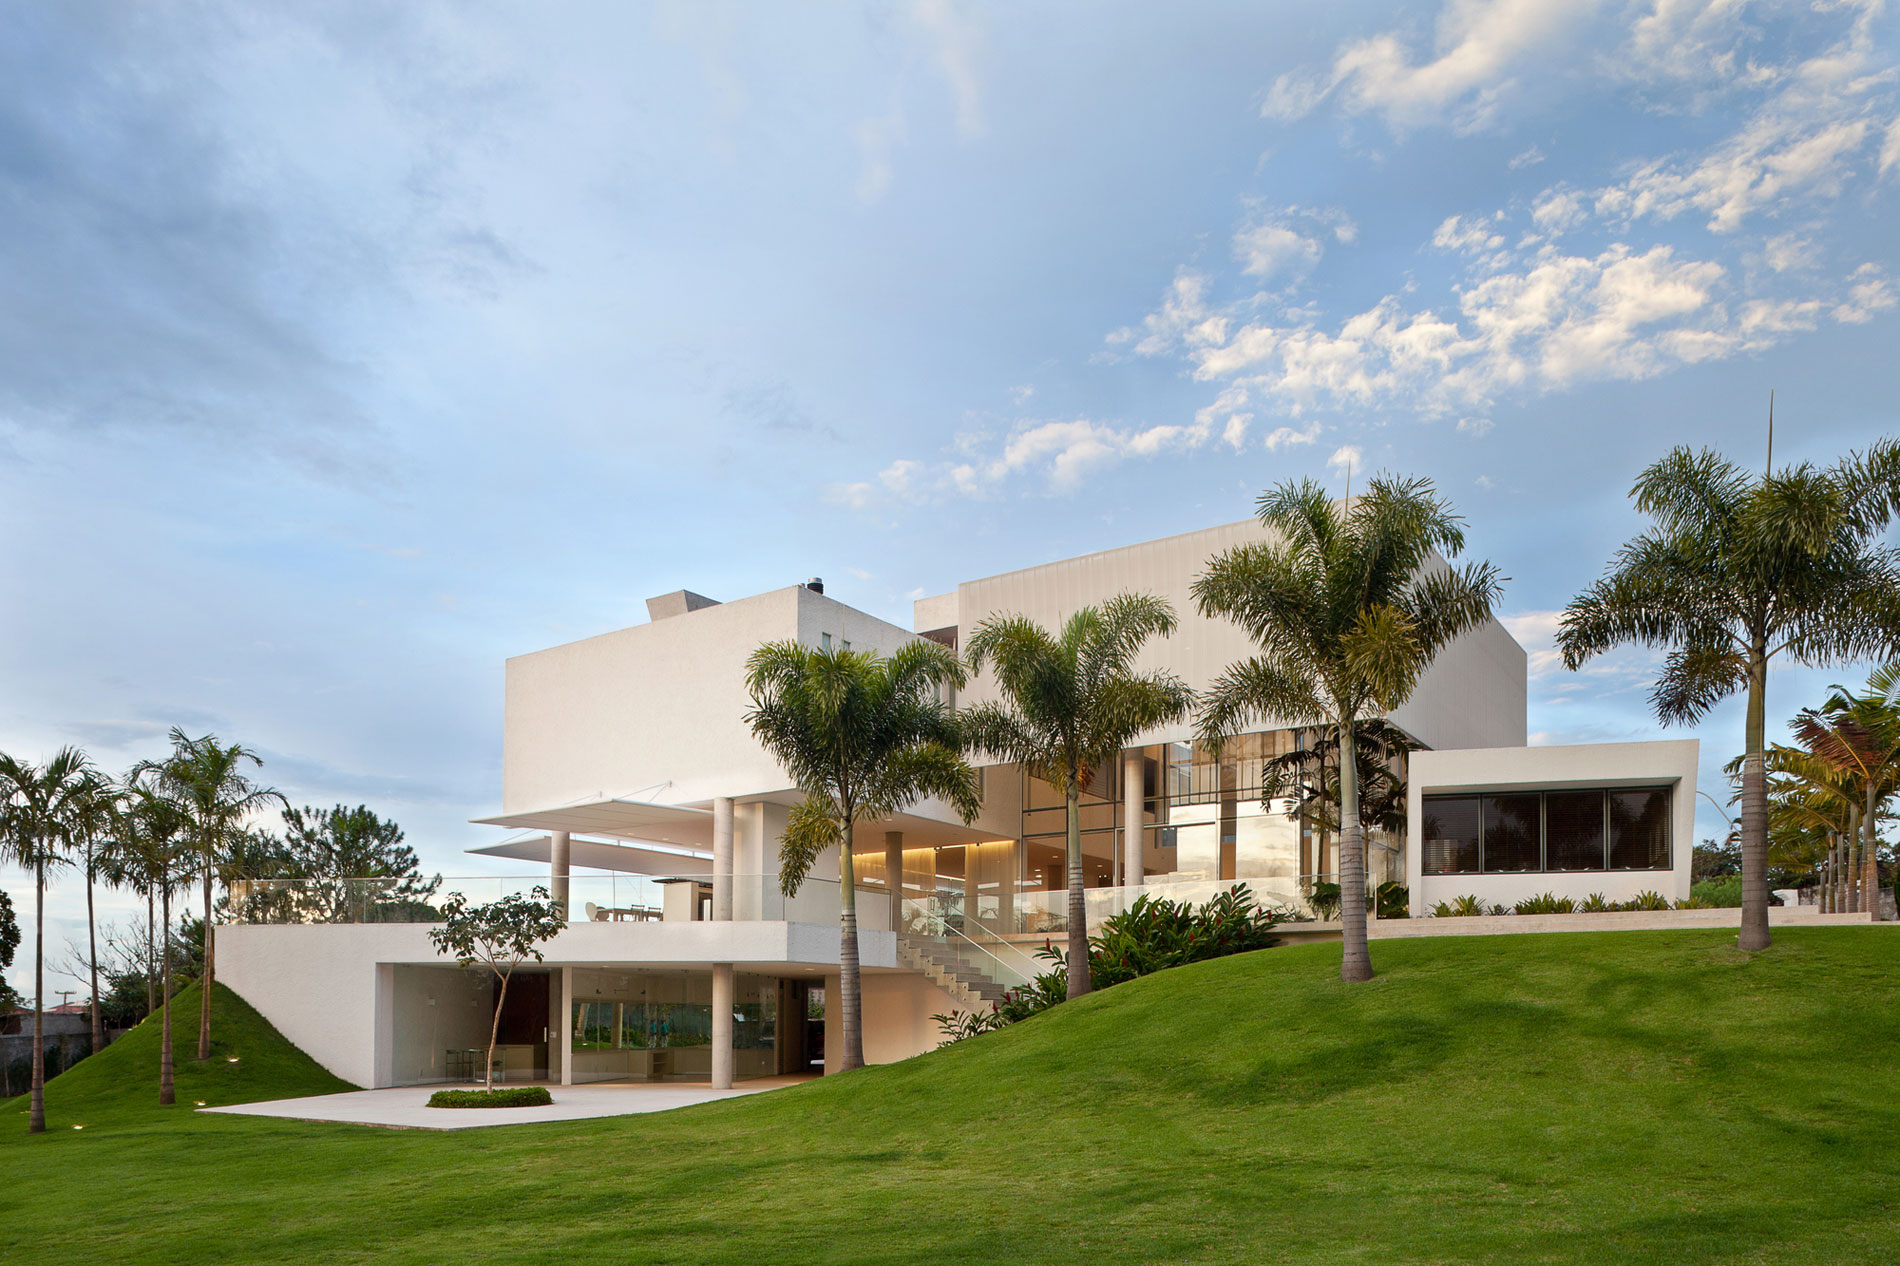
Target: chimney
x: 816, y: 584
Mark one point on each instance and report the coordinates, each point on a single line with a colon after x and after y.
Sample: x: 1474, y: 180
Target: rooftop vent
x: 816, y: 584
x: 679, y: 602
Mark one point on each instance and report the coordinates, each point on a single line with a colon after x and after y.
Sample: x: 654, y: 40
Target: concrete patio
x: 406, y: 1107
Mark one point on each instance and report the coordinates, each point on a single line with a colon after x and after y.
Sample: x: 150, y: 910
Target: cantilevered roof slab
x: 599, y: 855
x: 618, y: 819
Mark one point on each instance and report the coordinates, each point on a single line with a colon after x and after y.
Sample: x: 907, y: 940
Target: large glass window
x: 1616, y: 829
x: 1451, y: 835
x: 1511, y: 829
x: 1639, y: 829
x: 1573, y: 830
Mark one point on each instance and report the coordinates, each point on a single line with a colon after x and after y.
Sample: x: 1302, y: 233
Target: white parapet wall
x: 1669, y: 764
x: 332, y: 989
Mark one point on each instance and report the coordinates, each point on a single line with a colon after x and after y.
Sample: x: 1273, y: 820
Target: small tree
x: 9, y: 943
x: 500, y: 936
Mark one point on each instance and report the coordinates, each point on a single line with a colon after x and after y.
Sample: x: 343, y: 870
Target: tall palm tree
x: 1809, y: 797
x: 1349, y: 604
x: 1735, y: 571
x: 94, y: 815
x: 1071, y: 701
x: 155, y: 847
x: 206, y: 780
x: 38, y: 805
x: 1860, y: 734
x: 861, y: 736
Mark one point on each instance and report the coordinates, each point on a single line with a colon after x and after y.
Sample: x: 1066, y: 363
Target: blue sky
x: 351, y: 348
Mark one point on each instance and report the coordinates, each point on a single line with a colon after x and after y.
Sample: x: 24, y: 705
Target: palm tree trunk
x: 1870, y: 863
x: 92, y: 954
x: 1078, y: 902
x: 1827, y: 875
x: 204, y: 997
x: 1355, y: 961
x: 494, y: 1031
x: 850, y: 983
x: 1754, y: 931
x: 166, y: 1095
x: 151, y: 958
x: 36, y: 1121
x: 1850, y: 866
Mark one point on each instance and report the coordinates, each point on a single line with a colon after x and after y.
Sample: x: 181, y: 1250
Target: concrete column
x: 722, y: 1026
x: 1134, y: 828
x: 564, y: 1034
x: 894, y: 875
x: 972, y: 886
x: 722, y: 859
x: 557, y: 869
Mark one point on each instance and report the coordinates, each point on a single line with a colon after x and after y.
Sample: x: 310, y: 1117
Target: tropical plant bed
x: 511, y: 1097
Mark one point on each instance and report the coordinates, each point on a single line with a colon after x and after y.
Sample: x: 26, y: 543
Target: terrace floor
x: 406, y: 1107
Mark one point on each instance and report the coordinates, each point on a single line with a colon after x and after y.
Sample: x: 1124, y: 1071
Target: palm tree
x: 206, y: 780
x: 94, y: 815
x: 1810, y: 800
x: 861, y: 737
x: 38, y: 805
x: 1349, y: 604
x: 1738, y: 570
x: 1860, y: 735
x: 1307, y: 778
x: 1070, y: 703
x: 153, y: 844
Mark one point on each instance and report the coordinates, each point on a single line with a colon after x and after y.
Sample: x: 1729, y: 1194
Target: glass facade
x: 657, y: 1025
x: 1547, y: 831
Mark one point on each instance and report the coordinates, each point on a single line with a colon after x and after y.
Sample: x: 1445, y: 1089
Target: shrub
x: 1546, y: 903
x: 1325, y: 900
x: 1596, y: 903
x: 1692, y: 903
x: 958, y: 1025
x: 1395, y: 900
x: 1724, y: 892
x: 1649, y: 900
x: 511, y: 1097
x: 1465, y: 907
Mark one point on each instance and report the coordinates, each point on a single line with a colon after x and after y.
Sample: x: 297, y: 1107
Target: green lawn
x: 1615, y: 1097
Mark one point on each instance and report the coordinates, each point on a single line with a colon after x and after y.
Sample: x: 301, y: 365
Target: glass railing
x: 591, y: 898
x: 940, y: 920
x: 1035, y: 912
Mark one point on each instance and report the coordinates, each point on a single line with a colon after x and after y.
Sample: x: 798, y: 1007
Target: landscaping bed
x: 512, y: 1097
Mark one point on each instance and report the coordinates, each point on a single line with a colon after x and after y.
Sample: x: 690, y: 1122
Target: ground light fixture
x: 232, y: 1060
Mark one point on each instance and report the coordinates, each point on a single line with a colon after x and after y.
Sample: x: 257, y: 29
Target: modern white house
x: 633, y: 788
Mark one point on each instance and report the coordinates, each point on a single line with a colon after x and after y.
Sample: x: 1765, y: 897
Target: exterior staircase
x: 957, y: 976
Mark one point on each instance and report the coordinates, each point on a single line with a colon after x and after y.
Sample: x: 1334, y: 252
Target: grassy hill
x: 1616, y: 1097
x: 119, y: 1086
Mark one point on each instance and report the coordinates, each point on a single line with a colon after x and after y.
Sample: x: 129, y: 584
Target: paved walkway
x: 406, y: 1107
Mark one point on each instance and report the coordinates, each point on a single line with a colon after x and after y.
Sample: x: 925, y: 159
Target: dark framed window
x: 1573, y: 830
x: 1513, y: 827
x: 1547, y: 831
x: 1639, y: 829
x: 1451, y: 835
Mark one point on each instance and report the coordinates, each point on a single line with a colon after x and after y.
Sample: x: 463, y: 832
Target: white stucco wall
x: 1668, y: 763
x: 660, y: 703
x: 331, y: 988
x: 1474, y: 695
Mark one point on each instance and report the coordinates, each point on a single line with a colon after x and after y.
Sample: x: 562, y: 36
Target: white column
x: 557, y: 869
x: 1134, y: 828
x: 722, y: 1026
x: 894, y: 875
x: 971, y: 885
x: 564, y: 1034
x: 722, y: 858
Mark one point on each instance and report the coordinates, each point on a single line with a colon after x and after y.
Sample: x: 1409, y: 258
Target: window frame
x: 1543, y: 829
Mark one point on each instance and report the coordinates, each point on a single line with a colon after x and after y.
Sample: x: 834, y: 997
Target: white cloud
x: 1478, y: 48
x: 1559, y: 210
x: 1287, y: 437
x: 851, y: 496
x: 899, y: 474
x: 1890, y: 148
x: 1529, y: 158
x: 1346, y: 459
x: 1182, y: 318
x: 1020, y: 396
x: 1476, y: 428
x: 1870, y: 293
x: 1789, y: 252
x: 1272, y: 251
x: 1485, y: 482
x: 1467, y: 236
x: 959, y: 45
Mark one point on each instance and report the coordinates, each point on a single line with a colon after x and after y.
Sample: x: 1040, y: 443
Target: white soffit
x: 598, y: 855
x: 618, y: 819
